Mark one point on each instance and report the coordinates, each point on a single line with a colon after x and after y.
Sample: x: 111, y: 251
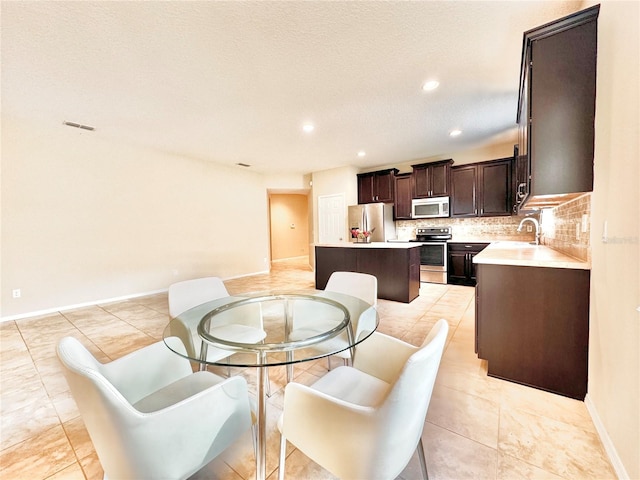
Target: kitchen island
x: 395, y: 265
x: 532, y: 316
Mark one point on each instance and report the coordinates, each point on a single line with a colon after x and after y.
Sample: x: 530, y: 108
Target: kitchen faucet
x: 535, y: 222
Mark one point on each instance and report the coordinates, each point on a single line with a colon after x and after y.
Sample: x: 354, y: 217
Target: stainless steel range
x: 433, y: 253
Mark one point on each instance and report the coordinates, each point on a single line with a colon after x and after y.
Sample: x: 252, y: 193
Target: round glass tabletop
x: 271, y: 328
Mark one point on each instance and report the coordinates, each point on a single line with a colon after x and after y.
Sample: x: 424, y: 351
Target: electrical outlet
x: 17, y: 293
x: 529, y: 228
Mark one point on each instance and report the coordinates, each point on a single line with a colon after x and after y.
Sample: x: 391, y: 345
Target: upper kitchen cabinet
x: 403, y: 197
x: 482, y: 189
x: 377, y: 186
x: 556, y: 110
x: 432, y: 179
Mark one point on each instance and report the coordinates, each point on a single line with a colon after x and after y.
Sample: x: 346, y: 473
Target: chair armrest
x: 144, y: 371
x: 366, y: 322
x: 382, y: 356
x: 208, y: 422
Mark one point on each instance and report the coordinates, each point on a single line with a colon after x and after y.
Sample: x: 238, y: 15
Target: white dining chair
x: 148, y: 415
x: 191, y: 293
x: 366, y: 420
x: 360, y: 285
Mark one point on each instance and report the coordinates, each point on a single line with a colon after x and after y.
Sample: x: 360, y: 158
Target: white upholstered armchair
x: 148, y: 415
x: 366, y: 421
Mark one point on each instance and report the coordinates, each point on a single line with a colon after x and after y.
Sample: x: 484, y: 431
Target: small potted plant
x: 362, y: 236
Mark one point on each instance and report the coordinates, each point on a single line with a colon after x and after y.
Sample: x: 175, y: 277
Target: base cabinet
x: 397, y: 269
x: 460, y: 267
x: 532, y: 326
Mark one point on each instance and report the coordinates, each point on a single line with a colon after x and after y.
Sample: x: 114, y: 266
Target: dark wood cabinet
x: 464, y: 198
x: 432, y: 179
x: 377, y: 186
x: 494, y: 187
x: 557, y: 108
x: 460, y: 267
x: 397, y: 269
x: 482, y: 189
x: 403, y: 197
x: 532, y: 326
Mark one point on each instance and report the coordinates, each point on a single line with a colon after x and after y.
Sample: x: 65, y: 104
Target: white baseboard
x: 78, y: 305
x: 49, y: 311
x: 609, y: 447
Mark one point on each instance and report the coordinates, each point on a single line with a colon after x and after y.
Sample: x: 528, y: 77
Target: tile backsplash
x: 466, y: 229
x: 566, y: 228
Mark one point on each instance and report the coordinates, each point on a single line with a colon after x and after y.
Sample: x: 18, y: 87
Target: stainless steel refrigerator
x: 373, y: 217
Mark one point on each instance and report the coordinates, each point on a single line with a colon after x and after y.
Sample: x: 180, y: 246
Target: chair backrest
x: 191, y: 293
x: 361, y: 285
x: 404, y: 411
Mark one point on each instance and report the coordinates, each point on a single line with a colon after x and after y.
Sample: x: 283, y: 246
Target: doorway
x: 289, y: 226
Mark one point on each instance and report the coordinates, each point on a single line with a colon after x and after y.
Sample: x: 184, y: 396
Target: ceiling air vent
x: 79, y: 125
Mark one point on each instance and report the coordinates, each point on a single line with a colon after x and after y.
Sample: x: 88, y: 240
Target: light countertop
x: 490, y: 238
x: 527, y: 255
x: 401, y: 245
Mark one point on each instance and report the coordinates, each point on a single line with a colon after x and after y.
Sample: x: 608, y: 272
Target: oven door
x: 433, y: 262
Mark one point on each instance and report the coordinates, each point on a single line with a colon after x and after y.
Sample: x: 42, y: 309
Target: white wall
x: 85, y: 219
x: 614, y: 343
x: 331, y: 182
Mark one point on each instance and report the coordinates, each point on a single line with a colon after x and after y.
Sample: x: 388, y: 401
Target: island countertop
x: 528, y: 255
x: 391, y: 244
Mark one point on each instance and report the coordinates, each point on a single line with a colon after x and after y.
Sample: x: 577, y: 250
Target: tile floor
x: 477, y: 427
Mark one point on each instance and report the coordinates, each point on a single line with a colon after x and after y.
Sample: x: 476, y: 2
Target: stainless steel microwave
x: 435, y: 207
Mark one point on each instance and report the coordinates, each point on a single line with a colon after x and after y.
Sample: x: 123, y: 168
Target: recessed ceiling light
x: 308, y: 127
x: 430, y: 85
x: 455, y: 133
x: 362, y: 153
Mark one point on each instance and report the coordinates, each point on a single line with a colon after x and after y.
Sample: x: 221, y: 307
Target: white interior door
x: 331, y: 218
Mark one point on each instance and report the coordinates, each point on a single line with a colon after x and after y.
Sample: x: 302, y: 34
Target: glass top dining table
x: 262, y: 329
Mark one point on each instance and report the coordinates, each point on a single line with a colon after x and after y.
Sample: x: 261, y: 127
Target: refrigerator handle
x: 365, y: 223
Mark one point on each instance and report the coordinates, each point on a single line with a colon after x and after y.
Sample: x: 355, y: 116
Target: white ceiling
x: 233, y: 82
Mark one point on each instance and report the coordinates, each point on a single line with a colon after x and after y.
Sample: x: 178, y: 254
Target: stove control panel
x: 433, y: 231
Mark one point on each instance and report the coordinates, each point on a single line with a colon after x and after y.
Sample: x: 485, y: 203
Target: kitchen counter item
x: 528, y: 255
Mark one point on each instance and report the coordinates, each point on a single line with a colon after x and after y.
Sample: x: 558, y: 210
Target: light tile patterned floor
x: 477, y: 427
